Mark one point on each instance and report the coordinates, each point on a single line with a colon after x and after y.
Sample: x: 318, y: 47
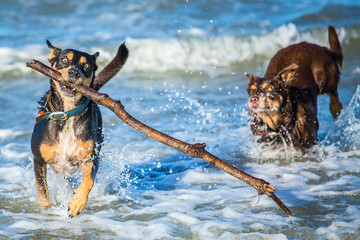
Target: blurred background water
x: 185, y: 76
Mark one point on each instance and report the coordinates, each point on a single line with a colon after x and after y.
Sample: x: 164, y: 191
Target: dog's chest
x: 69, y: 152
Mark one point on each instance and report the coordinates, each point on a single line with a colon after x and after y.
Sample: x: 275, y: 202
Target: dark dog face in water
x: 75, y: 66
x: 267, y: 96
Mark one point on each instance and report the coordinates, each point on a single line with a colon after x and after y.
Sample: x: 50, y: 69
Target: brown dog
x: 283, y: 104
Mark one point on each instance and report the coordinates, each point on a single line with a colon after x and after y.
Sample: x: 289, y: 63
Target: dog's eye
x: 270, y: 89
x: 86, y: 66
x: 64, y: 60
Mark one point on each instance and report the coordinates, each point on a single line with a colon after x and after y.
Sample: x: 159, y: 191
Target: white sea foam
x: 25, y: 225
x: 186, y: 53
x: 13, y: 61
x: 12, y: 174
x: 15, y: 151
x: 8, y: 134
x: 207, y: 204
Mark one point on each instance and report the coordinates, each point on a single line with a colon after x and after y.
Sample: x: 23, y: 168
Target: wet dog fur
x: 283, y: 103
x: 68, y: 144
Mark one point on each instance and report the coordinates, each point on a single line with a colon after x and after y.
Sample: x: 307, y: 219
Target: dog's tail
x: 335, y: 46
x: 112, y: 68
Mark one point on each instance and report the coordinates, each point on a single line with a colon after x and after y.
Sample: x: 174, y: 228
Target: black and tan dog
x: 68, y: 129
x: 283, y: 104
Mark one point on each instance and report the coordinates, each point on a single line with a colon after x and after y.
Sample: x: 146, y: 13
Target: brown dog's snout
x: 254, y: 99
x: 74, y: 73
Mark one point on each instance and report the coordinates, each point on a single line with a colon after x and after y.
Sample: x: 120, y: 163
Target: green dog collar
x: 63, y: 115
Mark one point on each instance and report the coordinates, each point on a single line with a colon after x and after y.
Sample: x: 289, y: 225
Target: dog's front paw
x: 336, y: 108
x: 78, y: 202
x: 45, y: 203
x: 335, y: 105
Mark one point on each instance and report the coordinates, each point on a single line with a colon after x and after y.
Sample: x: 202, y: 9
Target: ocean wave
x: 191, y: 53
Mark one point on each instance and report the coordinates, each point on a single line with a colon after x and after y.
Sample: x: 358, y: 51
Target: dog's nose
x: 254, y: 102
x: 254, y: 99
x: 74, y: 73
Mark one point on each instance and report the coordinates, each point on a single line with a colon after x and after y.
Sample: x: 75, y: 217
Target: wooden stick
x: 194, y: 150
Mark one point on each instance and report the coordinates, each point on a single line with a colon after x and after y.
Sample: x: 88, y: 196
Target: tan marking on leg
x: 41, y: 187
x: 48, y: 152
x: 86, y: 149
x: 80, y: 197
x: 335, y: 105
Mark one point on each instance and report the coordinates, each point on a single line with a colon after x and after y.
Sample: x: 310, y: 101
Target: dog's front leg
x: 41, y: 186
x: 80, y: 198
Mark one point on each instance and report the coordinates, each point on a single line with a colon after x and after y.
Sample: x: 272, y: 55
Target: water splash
x: 345, y: 132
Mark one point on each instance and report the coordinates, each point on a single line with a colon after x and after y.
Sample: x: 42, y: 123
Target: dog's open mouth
x: 268, y: 119
x: 67, y: 91
x: 261, y: 128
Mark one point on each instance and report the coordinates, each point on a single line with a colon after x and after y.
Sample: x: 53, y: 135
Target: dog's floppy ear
x: 251, y: 81
x: 54, y: 52
x: 287, y: 74
x: 251, y: 78
x: 95, y: 56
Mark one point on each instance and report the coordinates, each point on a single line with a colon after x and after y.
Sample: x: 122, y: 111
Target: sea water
x: 185, y: 76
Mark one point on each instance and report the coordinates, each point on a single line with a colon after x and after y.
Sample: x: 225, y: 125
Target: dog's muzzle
x: 74, y: 74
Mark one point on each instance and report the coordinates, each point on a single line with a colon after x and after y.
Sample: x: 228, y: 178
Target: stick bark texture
x: 194, y: 150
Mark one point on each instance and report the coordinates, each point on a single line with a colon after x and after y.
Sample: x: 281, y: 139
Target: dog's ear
x: 251, y: 78
x: 54, y: 52
x: 251, y: 81
x: 95, y: 56
x: 287, y: 74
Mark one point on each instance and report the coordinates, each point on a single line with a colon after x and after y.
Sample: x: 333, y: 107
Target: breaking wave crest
x: 178, y: 54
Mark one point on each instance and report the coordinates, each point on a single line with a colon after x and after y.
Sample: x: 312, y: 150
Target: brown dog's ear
x: 251, y: 81
x: 54, y: 52
x: 287, y: 74
x: 251, y: 78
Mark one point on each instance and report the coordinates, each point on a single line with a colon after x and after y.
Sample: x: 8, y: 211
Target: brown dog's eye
x: 86, y: 66
x: 64, y: 60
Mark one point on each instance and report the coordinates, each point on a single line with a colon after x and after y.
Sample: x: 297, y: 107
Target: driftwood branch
x: 194, y: 150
